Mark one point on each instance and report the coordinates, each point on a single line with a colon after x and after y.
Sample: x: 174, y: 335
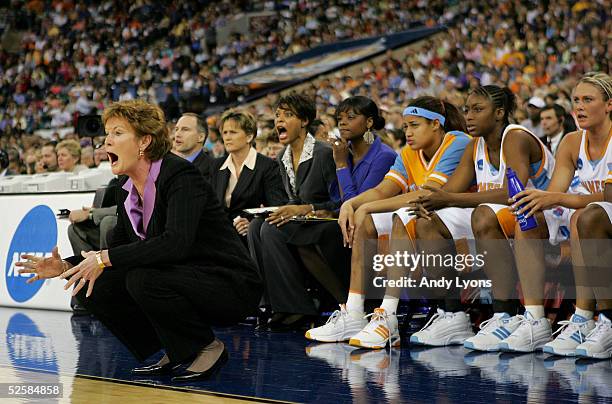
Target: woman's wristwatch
x: 99, y: 260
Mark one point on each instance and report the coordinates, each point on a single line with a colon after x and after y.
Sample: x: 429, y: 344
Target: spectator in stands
x: 273, y: 146
x: 309, y: 178
x: 15, y: 166
x: 170, y: 105
x: 4, y: 163
x: 552, y: 118
x: 190, y: 134
x: 245, y: 179
x: 68, y: 156
x: 534, y: 106
x: 87, y: 157
x: 100, y: 155
x: 174, y: 266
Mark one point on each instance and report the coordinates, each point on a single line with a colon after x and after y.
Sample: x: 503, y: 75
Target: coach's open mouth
x: 282, y: 132
x: 113, y: 158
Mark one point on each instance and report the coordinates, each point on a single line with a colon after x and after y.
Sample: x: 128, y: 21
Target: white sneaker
x: 530, y: 335
x: 381, y: 329
x: 492, y: 332
x: 340, y: 326
x: 571, y: 334
x: 598, y: 343
x: 444, y: 328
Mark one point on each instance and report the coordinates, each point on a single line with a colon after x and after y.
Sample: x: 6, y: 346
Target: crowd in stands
x: 76, y: 57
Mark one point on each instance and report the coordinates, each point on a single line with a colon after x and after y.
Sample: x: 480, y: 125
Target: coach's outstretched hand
x: 88, y: 270
x: 42, y: 268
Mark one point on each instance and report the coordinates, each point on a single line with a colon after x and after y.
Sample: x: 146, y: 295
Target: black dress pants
x: 150, y: 309
x: 281, y: 268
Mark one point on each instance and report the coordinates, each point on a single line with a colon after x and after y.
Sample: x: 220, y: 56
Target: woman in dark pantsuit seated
x: 174, y: 266
x: 245, y: 179
x: 309, y: 178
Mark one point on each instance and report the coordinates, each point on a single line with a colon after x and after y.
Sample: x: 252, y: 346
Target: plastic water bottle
x: 514, y: 187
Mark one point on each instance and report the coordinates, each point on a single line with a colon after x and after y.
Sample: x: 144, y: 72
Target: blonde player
x: 583, y: 163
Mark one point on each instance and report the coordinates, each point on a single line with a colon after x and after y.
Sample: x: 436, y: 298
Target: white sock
x: 584, y: 313
x: 390, y: 304
x: 536, y: 311
x: 355, y: 304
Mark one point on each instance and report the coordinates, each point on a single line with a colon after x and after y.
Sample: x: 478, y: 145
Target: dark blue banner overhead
x: 325, y: 58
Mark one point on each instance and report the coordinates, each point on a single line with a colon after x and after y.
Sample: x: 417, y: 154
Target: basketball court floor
x: 78, y: 352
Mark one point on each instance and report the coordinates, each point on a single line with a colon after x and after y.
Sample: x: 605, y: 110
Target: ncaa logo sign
x: 480, y: 164
x: 36, y: 235
x: 579, y: 163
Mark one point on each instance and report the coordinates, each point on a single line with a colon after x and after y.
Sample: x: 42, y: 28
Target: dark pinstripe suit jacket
x: 188, y: 227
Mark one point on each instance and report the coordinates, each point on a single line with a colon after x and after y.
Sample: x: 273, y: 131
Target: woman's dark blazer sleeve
x: 274, y: 191
x: 328, y: 170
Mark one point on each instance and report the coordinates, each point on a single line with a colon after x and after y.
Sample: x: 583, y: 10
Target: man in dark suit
x: 190, y: 134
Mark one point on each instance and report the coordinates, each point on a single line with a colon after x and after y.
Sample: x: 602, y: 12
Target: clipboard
x: 260, y: 212
x: 313, y: 219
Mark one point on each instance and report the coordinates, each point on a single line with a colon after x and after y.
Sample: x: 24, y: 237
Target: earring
x: 368, y: 137
x: 140, y: 153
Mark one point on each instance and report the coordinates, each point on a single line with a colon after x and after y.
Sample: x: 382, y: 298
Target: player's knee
x: 591, y: 219
x: 398, y: 229
x: 426, y: 229
x: 484, y: 222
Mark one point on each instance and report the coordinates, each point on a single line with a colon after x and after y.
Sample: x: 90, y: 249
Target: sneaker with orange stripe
x: 381, y: 329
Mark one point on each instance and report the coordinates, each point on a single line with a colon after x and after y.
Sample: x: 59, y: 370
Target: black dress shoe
x: 189, y: 376
x: 292, y: 322
x: 156, y: 369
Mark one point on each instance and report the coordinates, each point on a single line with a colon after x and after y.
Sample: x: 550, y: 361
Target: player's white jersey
x: 488, y: 177
x: 590, y: 175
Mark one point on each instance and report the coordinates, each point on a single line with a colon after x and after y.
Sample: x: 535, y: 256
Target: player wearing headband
x: 483, y: 215
x: 435, y: 137
x: 584, y: 159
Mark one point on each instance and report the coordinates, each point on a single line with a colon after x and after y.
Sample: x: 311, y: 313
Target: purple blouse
x: 368, y: 172
x: 139, y: 212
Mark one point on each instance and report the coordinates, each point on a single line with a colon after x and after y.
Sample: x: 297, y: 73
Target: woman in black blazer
x: 308, y: 172
x: 174, y: 265
x: 245, y: 179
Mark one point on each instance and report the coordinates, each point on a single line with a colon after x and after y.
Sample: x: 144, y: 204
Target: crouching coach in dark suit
x: 174, y: 267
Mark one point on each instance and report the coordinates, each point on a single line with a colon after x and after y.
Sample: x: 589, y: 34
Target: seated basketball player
x: 483, y: 215
x: 435, y: 142
x: 583, y: 162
